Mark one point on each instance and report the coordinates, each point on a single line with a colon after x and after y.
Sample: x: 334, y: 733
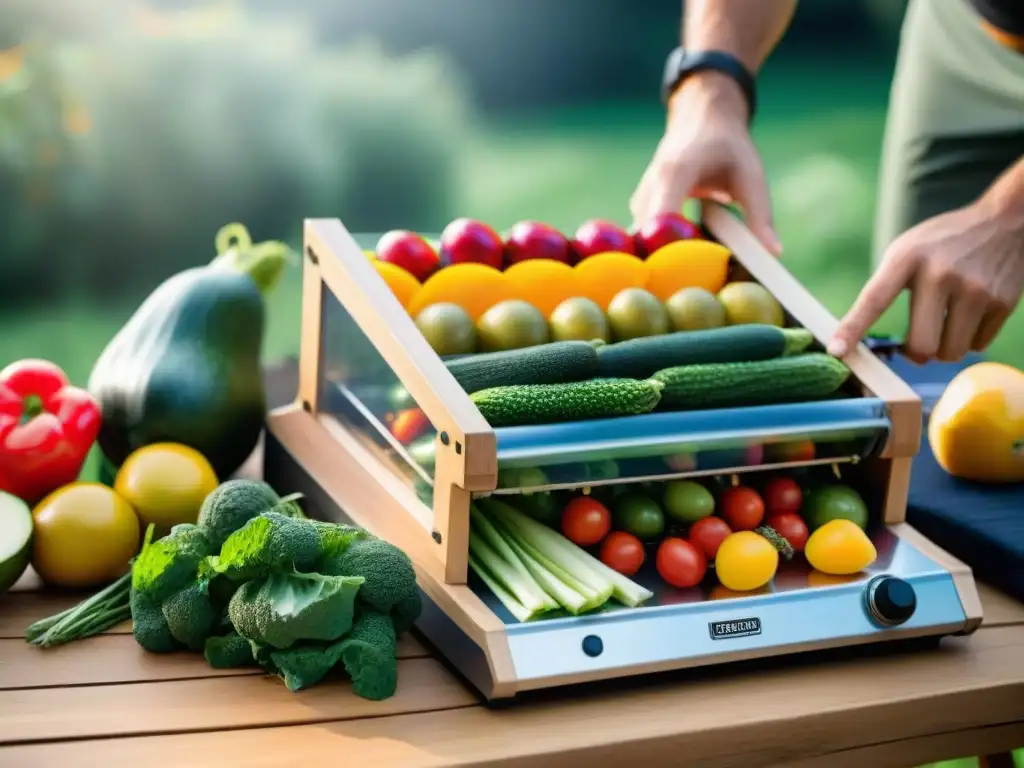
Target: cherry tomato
x: 782, y: 495
x: 680, y: 563
x: 742, y: 508
x: 409, y: 424
x: 585, y: 521
x: 622, y: 552
x: 791, y: 527
x: 708, y: 534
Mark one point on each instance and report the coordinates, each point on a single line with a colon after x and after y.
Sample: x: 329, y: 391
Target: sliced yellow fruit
x: 474, y: 287
x: 545, y: 283
x: 401, y: 283
x: 601, y: 276
x: 687, y: 264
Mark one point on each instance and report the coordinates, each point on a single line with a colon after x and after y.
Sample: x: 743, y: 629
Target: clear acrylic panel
x: 661, y: 446
x: 358, y: 388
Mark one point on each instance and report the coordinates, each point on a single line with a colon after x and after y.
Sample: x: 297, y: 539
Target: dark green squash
x: 185, y: 368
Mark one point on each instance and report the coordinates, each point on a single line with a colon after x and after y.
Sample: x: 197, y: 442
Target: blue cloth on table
x: 982, y: 525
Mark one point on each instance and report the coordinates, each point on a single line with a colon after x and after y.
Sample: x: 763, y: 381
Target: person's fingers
x: 989, y: 327
x: 928, y: 304
x: 670, y: 185
x: 638, y: 202
x: 877, y: 296
x: 966, y: 311
x: 751, y: 189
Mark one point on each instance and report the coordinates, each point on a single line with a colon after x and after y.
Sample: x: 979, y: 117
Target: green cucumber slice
x: 15, y: 539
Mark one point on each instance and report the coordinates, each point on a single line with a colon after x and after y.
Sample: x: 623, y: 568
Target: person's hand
x: 707, y: 152
x: 965, y: 272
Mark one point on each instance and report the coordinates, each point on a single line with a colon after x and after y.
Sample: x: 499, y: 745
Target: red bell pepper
x: 47, y: 427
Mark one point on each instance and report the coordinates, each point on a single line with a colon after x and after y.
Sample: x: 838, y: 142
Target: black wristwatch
x: 682, y: 63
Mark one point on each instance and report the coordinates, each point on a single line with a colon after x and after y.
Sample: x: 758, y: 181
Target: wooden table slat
x: 117, y: 659
x: 901, y: 710
x: 213, y: 703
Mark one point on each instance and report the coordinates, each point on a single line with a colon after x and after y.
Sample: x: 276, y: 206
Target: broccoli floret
x: 334, y: 540
x: 369, y: 655
x: 228, y: 651
x: 262, y: 655
x: 388, y: 571
x: 306, y: 664
x: 405, y: 612
x: 231, y: 505
x: 149, y: 625
x: 168, y: 564
x: 267, y: 544
x: 190, y: 615
x: 283, y: 609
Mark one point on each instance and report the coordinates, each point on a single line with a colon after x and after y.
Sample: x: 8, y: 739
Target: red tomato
x: 782, y: 495
x: 622, y: 552
x: 585, y: 521
x: 680, y: 563
x: 707, y: 534
x: 791, y: 527
x: 742, y: 508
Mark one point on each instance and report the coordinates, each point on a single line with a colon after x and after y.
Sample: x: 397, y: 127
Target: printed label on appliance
x: 725, y: 630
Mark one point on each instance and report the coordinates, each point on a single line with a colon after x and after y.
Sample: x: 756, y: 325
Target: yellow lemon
x: 401, y: 283
x: 688, y: 264
x: 166, y: 484
x: 84, y: 535
x: 601, y: 276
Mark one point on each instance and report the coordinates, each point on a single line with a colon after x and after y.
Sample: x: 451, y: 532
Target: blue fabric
x: 982, y: 525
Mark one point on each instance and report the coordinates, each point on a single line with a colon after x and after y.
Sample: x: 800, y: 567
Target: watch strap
x: 682, y: 63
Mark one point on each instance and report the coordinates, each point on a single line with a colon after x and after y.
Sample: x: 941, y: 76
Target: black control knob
x: 891, y: 600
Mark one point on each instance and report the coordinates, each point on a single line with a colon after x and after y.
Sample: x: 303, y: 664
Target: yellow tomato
x: 166, y: 484
x: 85, y: 534
x: 745, y: 561
x: 976, y: 429
x: 840, y: 548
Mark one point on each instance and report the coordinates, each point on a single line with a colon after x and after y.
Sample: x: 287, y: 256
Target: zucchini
x: 553, y: 363
x: 639, y: 358
x: 572, y: 401
x: 809, y: 376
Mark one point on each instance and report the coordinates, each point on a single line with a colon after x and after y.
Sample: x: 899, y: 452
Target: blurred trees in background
x: 128, y: 136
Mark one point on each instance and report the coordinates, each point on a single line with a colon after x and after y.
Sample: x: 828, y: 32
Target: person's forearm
x: 1005, y: 198
x: 747, y: 29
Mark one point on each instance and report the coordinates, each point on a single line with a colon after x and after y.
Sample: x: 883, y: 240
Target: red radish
x: 662, y: 229
x: 533, y: 240
x: 600, y: 236
x: 409, y: 251
x: 473, y: 242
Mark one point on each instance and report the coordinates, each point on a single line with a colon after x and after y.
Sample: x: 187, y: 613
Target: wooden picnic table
x: 105, y: 702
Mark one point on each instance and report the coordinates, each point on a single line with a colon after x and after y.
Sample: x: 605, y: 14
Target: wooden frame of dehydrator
x: 371, y: 495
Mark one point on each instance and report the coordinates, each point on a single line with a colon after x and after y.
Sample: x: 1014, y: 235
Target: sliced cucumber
x: 15, y: 539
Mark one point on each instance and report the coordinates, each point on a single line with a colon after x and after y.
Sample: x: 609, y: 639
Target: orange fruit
x: 474, y: 287
x: 545, y: 283
x: 687, y: 264
x: 976, y: 429
x: 602, y: 276
x: 401, y: 283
